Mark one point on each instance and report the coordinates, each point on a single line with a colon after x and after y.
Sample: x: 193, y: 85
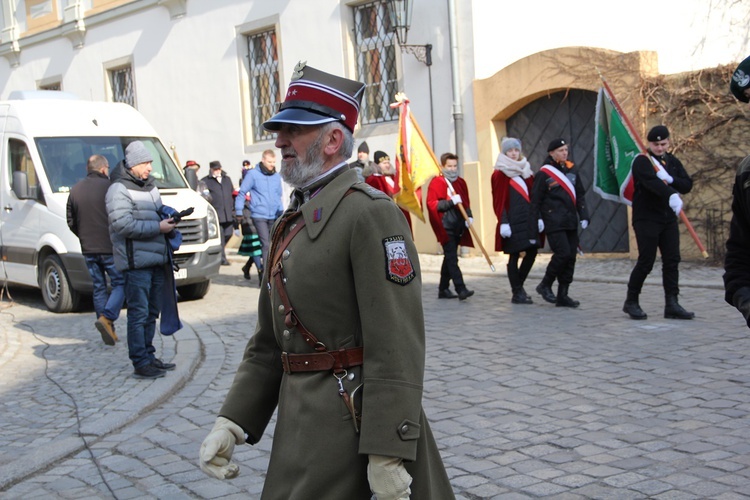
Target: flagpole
x: 434, y: 158
x: 644, y: 151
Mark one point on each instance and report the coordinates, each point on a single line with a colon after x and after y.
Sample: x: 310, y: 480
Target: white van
x: 46, y: 137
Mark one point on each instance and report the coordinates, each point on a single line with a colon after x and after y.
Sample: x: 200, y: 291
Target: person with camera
x: 141, y: 253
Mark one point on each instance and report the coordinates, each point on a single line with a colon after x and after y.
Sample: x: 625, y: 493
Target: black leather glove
x: 741, y: 301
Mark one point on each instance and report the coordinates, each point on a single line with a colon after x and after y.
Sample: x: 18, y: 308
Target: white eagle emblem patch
x: 398, y: 266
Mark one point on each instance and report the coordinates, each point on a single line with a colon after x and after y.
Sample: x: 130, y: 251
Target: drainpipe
x: 458, y: 114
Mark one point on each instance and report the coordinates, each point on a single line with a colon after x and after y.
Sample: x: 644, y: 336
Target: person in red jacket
x: 384, y: 179
x: 511, y: 187
x: 444, y: 193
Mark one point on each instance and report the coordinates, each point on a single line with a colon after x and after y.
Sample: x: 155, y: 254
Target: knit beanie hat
x: 136, y: 153
x: 363, y: 148
x: 380, y: 156
x: 509, y: 143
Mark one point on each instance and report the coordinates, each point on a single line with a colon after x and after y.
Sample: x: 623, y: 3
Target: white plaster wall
x: 187, y: 70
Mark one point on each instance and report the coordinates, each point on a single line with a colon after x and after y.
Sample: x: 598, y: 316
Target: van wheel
x: 55, y: 285
x: 194, y: 291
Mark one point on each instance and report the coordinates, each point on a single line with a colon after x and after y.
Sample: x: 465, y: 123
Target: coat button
x: 287, y: 335
x: 281, y: 309
x: 286, y: 254
x: 404, y: 429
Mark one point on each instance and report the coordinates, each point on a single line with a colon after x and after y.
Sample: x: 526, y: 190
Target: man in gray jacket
x: 141, y: 253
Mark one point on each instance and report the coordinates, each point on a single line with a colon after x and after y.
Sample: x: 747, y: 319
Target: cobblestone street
x: 526, y: 401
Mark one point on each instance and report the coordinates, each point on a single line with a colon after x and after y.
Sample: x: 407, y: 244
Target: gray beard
x: 299, y: 175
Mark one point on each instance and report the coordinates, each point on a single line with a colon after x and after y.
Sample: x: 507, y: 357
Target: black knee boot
x: 632, y: 308
x: 673, y: 310
x: 545, y: 289
x: 516, y: 285
x: 562, y: 297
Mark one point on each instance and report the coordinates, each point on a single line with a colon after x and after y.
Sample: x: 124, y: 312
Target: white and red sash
x: 561, y: 179
x: 520, y: 187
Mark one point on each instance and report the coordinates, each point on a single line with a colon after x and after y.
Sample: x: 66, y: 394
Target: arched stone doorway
x: 570, y: 115
x: 553, y: 94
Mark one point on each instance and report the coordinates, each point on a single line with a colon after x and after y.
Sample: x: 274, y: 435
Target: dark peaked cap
x: 741, y: 80
x: 315, y: 97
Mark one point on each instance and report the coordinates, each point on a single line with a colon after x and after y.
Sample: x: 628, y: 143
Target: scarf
x: 451, y: 175
x: 513, y: 168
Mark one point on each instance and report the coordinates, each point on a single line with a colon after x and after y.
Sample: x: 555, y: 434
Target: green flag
x: 614, y: 152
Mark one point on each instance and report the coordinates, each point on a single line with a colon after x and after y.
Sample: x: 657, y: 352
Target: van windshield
x: 64, y: 159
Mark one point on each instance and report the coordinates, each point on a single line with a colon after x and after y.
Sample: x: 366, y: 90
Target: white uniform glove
x: 663, y: 175
x: 675, y: 203
x: 505, y: 231
x: 540, y: 225
x: 584, y: 224
x: 216, y: 450
x: 456, y: 199
x: 388, y: 478
x: 469, y: 221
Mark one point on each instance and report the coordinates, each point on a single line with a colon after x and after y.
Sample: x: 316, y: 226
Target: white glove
x: 456, y: 199
x: 675, y: 203
x: 540, y: 225
x: 505, y: 231
x: 469, y: 221
x: 388, y: 478
x: 663, y: 175
x: 584, y: 224
x: 216, y: 450
x: 237, y: 233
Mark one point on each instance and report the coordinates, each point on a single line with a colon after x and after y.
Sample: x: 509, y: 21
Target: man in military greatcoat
x: 339, y: 347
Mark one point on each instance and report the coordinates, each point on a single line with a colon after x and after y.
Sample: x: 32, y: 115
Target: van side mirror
x: 21, y: 185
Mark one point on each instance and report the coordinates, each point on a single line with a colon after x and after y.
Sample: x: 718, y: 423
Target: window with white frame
x: 265, y: 94
x: 376, y: 61
x: 121, y: 84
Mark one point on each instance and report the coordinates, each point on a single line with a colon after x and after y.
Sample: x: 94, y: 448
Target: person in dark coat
x: 559, y: 200
x: 339, y: 346
x: 362, y: 164
x: 444, y: 194
x: 737, y: 259
x: 511, y: 182
x: 656, y: 206
x: 87, y: 219
x: 220, y: 187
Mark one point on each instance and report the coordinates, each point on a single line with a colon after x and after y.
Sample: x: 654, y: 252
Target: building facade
x: 207, y: 73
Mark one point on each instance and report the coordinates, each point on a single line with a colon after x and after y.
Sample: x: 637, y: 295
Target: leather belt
x: 322, y: 361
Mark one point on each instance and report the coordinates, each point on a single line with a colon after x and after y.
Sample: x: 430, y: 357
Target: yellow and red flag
x: 415, y: 161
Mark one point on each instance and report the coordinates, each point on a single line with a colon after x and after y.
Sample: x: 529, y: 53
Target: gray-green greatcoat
x: 338, y: 282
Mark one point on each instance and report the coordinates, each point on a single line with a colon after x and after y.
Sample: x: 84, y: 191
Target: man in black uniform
x: 736, y: 262
x: 220, y: 188
x: 558, y: 199
x: 658, y: 183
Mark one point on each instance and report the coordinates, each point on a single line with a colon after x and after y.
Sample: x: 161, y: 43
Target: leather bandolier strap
x: 322, y: 359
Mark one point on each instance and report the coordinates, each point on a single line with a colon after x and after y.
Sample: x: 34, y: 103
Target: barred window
x: 264, y: 80
x: 50, y: 86
x: 376, y: 61
x: 121, y: 83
